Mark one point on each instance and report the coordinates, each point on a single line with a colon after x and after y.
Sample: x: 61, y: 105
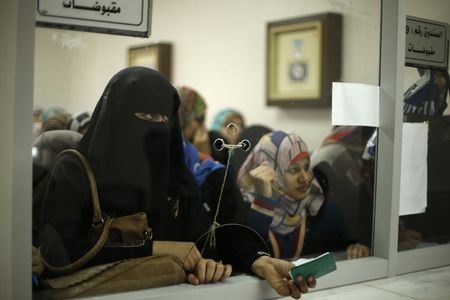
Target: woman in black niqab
x: 134, y: 145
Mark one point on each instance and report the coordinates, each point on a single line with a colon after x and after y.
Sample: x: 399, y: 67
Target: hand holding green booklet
x: 315, y: 267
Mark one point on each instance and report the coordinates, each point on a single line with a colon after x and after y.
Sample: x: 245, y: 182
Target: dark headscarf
x: 134, y: 145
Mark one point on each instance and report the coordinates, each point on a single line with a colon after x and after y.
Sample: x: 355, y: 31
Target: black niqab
x: 134, y: 145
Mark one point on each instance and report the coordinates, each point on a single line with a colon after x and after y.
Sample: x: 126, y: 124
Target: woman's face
x: 297, y: 179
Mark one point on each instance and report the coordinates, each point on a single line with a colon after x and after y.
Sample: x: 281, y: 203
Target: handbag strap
x: 97, y: 219
x: 85, y: 258
x: 97, y: 212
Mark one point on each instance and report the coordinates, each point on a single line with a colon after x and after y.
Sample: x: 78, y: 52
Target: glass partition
x: 429, y: 227
x: 222, y: 52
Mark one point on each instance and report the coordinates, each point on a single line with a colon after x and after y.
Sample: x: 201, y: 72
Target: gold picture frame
x: 157, y: 56
x: 303, y: 59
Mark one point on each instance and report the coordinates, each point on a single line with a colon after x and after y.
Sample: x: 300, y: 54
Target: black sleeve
x: 196, y: 212
x: 232, y: 207
x: 66, y: 215
x: 66, y: 219
x: 238, y: 244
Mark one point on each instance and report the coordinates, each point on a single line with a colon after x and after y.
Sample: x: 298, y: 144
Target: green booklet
x: 316, y: 267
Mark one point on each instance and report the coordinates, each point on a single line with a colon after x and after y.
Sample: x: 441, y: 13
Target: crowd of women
x: 151, y: 152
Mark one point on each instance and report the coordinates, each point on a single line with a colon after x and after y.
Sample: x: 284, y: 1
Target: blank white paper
x: 413, y: 179
x: 355, y: 104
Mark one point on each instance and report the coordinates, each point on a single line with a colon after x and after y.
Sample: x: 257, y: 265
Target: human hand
x: 408, y: 239
x: 186, y: 252
x: 262, y: 177
x: 276, y: 272
x: 208, y: 270
x: 200, y: 140
x: 199, y: 270
x: 357, y: 250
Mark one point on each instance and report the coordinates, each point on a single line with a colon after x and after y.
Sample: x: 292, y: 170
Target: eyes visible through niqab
x: 156, y: 118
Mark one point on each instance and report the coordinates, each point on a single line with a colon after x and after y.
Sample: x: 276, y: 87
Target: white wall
x: 219, y: 49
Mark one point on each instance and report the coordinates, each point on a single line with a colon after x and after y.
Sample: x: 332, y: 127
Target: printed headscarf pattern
x: 220, y: 118
x: 193, y: 106
x: 353, y: 138
x: 200, y: 169
x: 279, y: 149
x: 425, y: 97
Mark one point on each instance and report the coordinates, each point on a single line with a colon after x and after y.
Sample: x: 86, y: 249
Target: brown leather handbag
x: 119, y: 276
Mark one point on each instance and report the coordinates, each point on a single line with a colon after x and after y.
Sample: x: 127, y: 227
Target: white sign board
x: 125, y: 17
x: 426, y: 43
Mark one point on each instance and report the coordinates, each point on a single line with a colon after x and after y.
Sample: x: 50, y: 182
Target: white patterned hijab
x: 279, y: 149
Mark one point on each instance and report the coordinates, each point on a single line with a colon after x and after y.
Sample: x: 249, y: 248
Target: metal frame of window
x: 423, y: 258
x: 386, y: 262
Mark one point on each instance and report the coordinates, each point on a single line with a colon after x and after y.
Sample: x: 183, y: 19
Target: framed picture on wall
x: 303, y: 59
x: 157, y: 56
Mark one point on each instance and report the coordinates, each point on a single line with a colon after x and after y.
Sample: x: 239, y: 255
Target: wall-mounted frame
x: 157, y: 56
x: 303, y: 59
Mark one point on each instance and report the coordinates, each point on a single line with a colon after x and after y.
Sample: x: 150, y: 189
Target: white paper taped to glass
x: 355, y: 104
x: 414, y: 166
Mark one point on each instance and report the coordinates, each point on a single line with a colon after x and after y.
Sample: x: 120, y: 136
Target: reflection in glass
x: 226, y: 64
x: 426, y: 101
x: 344, y: 164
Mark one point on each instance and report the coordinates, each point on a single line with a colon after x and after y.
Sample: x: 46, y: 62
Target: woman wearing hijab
x: 192, y: 114
x: 225, y: 117
x: 221, y: 130
x: 287, y: 203
x: 134, y: 145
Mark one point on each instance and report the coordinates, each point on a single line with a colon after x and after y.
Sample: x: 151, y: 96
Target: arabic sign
x: 125, y: 17
x: 426, y: 43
